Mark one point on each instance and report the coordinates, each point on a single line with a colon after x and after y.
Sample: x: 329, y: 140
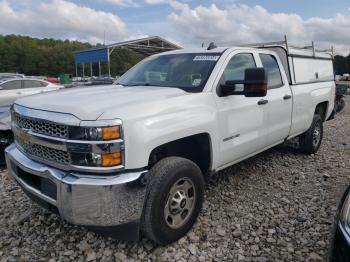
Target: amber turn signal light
x: 110, y: 133
x: 111, y: 159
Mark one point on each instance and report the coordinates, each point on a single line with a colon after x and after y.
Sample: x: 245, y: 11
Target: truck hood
x: 91, y: 103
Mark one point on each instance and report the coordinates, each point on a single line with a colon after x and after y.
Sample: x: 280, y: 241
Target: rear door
x: 279, y: 99
x: 32, y: 87
x: 10, y: 91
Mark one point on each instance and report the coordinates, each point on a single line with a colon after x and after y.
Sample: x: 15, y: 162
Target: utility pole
x: 104, y: 37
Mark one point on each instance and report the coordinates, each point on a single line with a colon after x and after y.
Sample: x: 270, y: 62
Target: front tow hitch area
x: 6, y: 138
x: 111, y: 205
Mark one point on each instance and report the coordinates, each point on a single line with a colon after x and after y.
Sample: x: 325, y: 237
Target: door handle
x: 19, y: 93
x: 286, y: 97
x: 262, y: 102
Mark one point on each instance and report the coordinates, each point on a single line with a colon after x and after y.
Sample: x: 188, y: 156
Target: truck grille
x: 41, y: 139
x: 41, y: 126
x: 42, y: 152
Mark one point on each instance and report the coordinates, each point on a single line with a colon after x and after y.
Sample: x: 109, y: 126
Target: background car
x: 341, y: 240
x: 11, y: 75
x: 12, y: 88
x: 51, y: 79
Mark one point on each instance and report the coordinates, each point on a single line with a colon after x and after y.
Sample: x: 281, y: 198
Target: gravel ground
x: 277, y: 206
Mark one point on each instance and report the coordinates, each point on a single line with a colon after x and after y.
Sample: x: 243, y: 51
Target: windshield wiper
x: 139, y: 84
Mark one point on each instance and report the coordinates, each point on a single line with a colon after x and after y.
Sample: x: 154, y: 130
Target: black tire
x: 6, y: 136
x: 307, y: 140
x: 340, y: 105
x: 163, y: 177
x: 2, y: 157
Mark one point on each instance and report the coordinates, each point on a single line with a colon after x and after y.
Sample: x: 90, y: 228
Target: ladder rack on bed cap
x: 302, y: 64
x: 285, y: 44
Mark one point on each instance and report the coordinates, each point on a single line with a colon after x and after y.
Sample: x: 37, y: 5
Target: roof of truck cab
x: 204, y: 50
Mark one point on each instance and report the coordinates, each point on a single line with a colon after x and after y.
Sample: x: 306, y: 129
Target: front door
x: 242, y: 120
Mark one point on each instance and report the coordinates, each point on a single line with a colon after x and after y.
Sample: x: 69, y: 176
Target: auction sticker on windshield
x: 206, y: 58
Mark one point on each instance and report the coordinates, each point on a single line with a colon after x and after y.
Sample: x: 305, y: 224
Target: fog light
x: 112, y: 159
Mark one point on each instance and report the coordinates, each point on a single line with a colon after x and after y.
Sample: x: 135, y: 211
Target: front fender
x: 144, y: 135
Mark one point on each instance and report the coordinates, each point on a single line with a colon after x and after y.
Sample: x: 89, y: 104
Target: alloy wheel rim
x: 317, y: 135
x: 180, y: 203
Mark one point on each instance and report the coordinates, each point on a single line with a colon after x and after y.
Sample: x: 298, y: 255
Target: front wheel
x: 311, y: 140
x: 174, y: 199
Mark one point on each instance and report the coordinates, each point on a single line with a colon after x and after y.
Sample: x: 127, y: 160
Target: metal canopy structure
x: 145, y: 46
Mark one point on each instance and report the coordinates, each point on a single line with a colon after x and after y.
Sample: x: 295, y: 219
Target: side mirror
x: 255, y: 84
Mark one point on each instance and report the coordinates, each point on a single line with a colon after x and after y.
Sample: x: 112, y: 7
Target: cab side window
x: 14, y: 84
x: 34, y: 83
x: 273, y: 71
x: 236, y: 67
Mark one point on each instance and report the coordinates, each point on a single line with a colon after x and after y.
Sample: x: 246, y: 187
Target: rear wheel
x: 174, y: 198
x: 311, y: 140
x: 340, y: 105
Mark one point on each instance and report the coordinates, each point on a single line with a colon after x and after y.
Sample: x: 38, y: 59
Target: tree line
x: 50, y: 57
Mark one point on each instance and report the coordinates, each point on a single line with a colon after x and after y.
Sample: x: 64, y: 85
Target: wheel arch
x: 322, y: 109
x: 197, y: 148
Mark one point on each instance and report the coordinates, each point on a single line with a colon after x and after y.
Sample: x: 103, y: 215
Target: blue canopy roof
x: 91, y: 56
x: 146, y: 46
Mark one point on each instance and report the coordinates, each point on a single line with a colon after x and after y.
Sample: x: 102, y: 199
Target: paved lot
x: 277, y: 206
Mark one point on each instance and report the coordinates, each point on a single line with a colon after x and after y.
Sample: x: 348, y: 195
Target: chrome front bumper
x: 96, y: 201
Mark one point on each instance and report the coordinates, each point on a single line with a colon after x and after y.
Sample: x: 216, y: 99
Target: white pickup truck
x: 132, y: 159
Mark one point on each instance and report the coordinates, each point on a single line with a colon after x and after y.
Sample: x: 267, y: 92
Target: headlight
x: 95, y: 133
x: 97, y: 160
x: 105, y: 148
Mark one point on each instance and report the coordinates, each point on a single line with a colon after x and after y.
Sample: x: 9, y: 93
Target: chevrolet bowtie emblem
x: 23, y: 134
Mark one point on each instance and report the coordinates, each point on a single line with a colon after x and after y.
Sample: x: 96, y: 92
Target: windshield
x: 189, y: 72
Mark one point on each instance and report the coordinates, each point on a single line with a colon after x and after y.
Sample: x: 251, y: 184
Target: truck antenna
x: 211, y: 46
